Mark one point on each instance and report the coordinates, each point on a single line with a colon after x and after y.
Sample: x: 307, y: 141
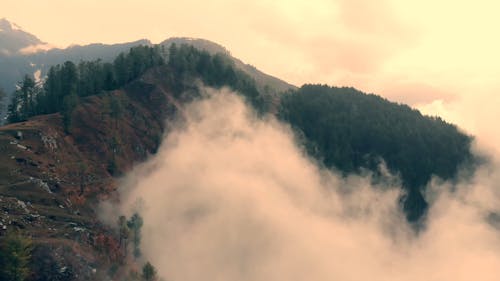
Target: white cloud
x: 232, y: 197
x: 36, y: 48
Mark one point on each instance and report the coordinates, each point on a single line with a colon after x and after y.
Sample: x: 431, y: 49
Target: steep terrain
x: 351, y: 131
x: 53, y: 174
x: 23, y: 53
x: 272, y: 83
x: 51, y: 181
x: 55, y: 168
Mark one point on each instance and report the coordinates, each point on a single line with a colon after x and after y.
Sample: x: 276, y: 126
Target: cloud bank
x: 230, y: 196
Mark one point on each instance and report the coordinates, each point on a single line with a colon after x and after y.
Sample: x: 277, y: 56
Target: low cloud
x: 230, y: 196
x: 36, y: 48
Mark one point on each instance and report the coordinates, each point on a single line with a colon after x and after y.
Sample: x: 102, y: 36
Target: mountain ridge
x: 13, y: 39
x: 13, y: 65
x: 57, y: 164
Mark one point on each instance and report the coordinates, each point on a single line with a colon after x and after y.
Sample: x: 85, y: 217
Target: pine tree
x: 2, y: 98
x: 69, y: 103
x: 22, y: 104
x: 134, y: 224
x: 15, y: 256
x: 148, y: 272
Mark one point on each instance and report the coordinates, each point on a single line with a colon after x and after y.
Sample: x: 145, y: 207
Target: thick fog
x: 230, y: 196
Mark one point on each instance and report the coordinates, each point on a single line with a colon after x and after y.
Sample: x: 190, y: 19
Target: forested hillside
x: 349, y: 130
x: 22, y: 53
x: 66, y: 84
x: 86, y: 123
x: 344, y: 128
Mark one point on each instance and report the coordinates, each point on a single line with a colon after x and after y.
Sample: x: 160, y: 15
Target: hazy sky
x: 439, y: 55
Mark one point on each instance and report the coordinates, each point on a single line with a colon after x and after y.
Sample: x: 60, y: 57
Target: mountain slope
x: 13, y: 40
x: 36, y: 64
x: 261, y: 78
x: 51, y: 181
x: 55, y: 168
x: 23, y: 53
x: 349, y: 131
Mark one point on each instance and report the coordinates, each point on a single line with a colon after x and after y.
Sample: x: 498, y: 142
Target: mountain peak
x: 201, y: 44
x: 13, y: 39
x: 6, y: 25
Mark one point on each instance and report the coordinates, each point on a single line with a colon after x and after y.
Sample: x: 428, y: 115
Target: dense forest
x: 214, y: 70
x: 344, y: 128
x: 350, y: 130
x: 66, y: 84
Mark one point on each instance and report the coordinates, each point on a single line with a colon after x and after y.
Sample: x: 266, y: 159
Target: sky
x: 440, y: 56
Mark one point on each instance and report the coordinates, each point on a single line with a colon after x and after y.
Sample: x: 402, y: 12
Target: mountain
x: 25, y: 54
x: 22, y: 53
x: 13, y: 40
x: 71, y: 140
x: 273, y: 83
x: 350, y: 131
x: 53, y: 173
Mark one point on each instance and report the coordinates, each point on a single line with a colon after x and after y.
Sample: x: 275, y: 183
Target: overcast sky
x: 441, y: 56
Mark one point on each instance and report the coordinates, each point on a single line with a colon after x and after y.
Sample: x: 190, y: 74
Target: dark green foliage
x: 350, y: 130
x: 123, y: 231
x: 69, y: 103
x: 148, y: 272
x: 115, y: 107
x: 15, y: 256
x: 134, y: 224
x: 342, y: 127
x: 47, y: 267
x: 136, y: 62
x: 112, y: 167
x: 130, y: 228
x: 215, y: 70
x: 67, y: 82
x: 2, y: 97
x: 92, y: 77
x: 22, y: 105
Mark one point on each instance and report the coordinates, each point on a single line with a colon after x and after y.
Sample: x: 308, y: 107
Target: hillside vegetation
x: 349, y: 130
x: 344, y: 128
x: 67, y: 83
x: 69, y: 138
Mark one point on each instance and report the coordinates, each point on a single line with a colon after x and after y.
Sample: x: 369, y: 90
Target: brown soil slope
x: 51, y: 180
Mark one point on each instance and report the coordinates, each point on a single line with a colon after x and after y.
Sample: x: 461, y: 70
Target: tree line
x: 65, y: 84
x: 214, y: 70
x: 344, y: 128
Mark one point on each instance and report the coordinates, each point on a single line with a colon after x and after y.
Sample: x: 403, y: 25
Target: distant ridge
x: 22, y: 53
x: 13, y: 39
